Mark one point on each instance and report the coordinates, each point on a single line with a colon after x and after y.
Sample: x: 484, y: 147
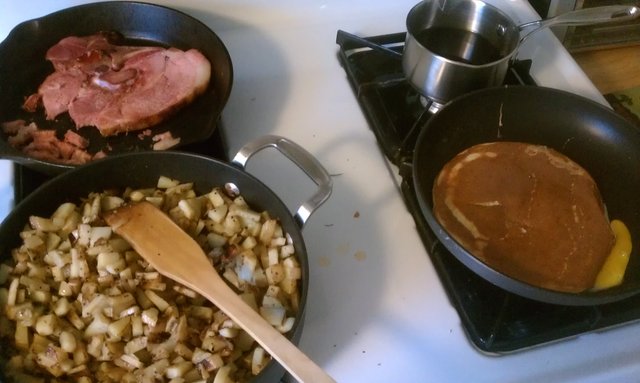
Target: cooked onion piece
x: 80, y: 304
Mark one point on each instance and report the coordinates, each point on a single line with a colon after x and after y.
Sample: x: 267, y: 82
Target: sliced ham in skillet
x: 59, y: 90
x: 119, y: 88
x: 156, y: 85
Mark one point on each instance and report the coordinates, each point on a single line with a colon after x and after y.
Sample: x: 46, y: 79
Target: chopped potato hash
x: 80, y: 305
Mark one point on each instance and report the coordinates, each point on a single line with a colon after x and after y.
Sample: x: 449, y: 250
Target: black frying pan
x: 606, y: 145
x: 23, y: 68
x: 142, y: 169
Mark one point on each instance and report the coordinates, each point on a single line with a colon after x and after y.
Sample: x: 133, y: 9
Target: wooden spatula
x: 174, y: 254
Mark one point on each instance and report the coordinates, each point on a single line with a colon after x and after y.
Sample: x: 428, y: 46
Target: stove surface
x: 495, y: 320
x: 378, y: 310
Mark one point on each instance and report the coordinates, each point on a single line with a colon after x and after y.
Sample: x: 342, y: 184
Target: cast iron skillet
x: 142, y: 169
x: 606, y: 145
x: 23, y: 68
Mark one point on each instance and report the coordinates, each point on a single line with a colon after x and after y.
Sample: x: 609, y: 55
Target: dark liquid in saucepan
x: 459, y: 45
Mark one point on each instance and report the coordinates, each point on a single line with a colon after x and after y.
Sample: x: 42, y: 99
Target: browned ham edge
x: 44, y: 145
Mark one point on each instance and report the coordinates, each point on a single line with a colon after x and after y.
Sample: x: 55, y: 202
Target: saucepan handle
x: 303, y: 159
x: 586, y: 16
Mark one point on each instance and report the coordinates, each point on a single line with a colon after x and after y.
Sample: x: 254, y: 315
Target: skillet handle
x: 299, y: 156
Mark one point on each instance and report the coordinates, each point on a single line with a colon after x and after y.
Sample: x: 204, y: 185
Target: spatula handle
x: 276, y: 344
x: 159, y: 240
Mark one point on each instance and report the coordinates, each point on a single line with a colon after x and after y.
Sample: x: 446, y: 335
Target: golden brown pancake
x: 527, y: 211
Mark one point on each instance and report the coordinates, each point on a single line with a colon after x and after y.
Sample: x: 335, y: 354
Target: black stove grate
x: 495, y: 320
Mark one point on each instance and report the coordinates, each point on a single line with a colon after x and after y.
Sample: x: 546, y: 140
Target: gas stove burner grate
x: 495, y: 320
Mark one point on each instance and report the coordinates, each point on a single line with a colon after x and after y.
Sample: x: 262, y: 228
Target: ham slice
x: 59, y: 90
x: 119, y: 88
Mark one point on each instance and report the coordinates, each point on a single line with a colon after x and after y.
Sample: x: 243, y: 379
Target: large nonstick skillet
x: 23, y: 68
x: 601, y: 141
x: 142, y: 169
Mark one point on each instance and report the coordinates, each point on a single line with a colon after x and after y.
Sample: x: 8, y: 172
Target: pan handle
x: 587, y: 16
x: 303, y: 159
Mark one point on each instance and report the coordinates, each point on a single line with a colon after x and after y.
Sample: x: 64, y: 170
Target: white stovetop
x: 376, y: 311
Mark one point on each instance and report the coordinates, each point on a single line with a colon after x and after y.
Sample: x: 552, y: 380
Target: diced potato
x: 241, y: 210
x: 286, y: 251
x: 287, y: 325
x: 75, y: 320
x: 57, y: 258
x: 39, y: 343
x: 51, y: 358
x: 157, y: 201
x: 218, y: 213
x: 216, y: 198
x: 258, y: 361
x: 111, y: 262
x: 201, y: 312
x: 99, y: 325
x: 216, y: 240
x: 191, y: 208
x: 13, y: 292
x: 288, y: 285
x: 223, y: 374
x: 139, y: 195
x: 34, y: 242
x: 206, y: 359
x: 185, y: 291
x: 135, y: 345
x: 52, y: 241
x: 95, y: 306
x: 137, y: 328
x: 61, y: 307
x: 267, y: 231
x: 68, y: 341
x: 83, y: 234
x: 94, y: 347
x: 118, y: 303
x: 117, y: 329
x: 150, y: 317
x: 157, y: 369
x: 160, y: 303
x: 43, y: 224
x: 166, y: 182
x: 273, y: 256
x: 275, y: 274
x: 79, y: 266
x: 232, y: 277
x: 273, y: 315
x: 229, y: 332
x: 129, y: 361
x: 232, y: 225
x: 65, y: 289
x: 91, y: 209
x: 183, y: 351
x: 110, y: 203
x: 178, y: 370
x: 46, y: 324
x: 64, y: 211
x: 82, y: 305
x: 99, y: 233
x: 22, y: 336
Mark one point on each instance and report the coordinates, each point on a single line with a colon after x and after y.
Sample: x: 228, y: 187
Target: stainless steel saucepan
x: 457, y: 46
